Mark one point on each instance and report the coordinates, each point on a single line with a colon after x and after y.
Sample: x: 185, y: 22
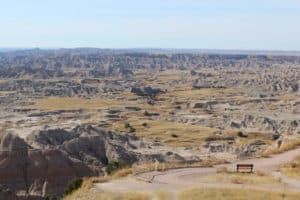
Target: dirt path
x: 178, y: 179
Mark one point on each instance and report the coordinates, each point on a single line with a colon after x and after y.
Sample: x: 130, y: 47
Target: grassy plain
x: 292, y: 169
x: 235, y: 194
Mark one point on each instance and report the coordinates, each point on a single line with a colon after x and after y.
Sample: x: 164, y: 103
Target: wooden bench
x: 246, y: 168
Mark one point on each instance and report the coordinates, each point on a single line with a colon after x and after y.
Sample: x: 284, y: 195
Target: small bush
x: 275, y: 136
x: 174, y: 135
x: 241, y: 134
x: 113, y: 166
x: 218, y: 138
x: 52, y: 198
x: 146, y: 113
x: 74, y: 185
x: 178, y: 107
x: 294, y: 165
x: 122, y: 172
x: 132, y: 130
x: 127, y: 125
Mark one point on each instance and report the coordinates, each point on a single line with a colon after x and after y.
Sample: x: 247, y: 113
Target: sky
x: 190, y: 24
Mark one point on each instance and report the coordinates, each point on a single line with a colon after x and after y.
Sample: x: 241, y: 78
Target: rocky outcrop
x: 93, y: 145
x: 266, y: 124
x: 217, y: 93
x: 37, y: 171
x: 60, y: 156
x: 23, y: 71
x: 7, y: 194
x: 227, y: 144
x: 50, y: 88
x: 251, y: 149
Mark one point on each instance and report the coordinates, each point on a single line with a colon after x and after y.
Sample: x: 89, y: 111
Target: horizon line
x: 150, y: 48
x: 172, y: 50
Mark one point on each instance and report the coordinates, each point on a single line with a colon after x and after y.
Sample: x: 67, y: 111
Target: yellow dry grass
x: 188, y: 93
x: 170, y: 133
x: 89, y: 182
x: 242, y: 178
x: 286, y: 146
x: 190, y: 194
x: 235, y: 194
x: 74, y: 103
x: 292, y: 169
x: 251, y: 136
x: 147, y: 167
x: 163, y: 77
x: 163, y: 195
x: 99, y: 195
x: 288, y: 97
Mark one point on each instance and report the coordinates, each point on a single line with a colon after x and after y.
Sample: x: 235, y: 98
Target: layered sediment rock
x: 61, y: 156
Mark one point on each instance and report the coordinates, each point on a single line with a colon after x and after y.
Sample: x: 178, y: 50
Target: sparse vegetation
x: 114, y: 166
x: 52, y: 198
x: 141, y: 168
x: 286, y: 146
x: 87, y: 184
x: 127, y: 125
x: 242, y: 134
x: 292, y: 169
x: 74, y: 185
x: 129, y: 128
x: 235, y: 194
x: 163, y: 195
x: 146, y: 113
x: 224, y: 176
x: 218, y: 138
x: 97, y: 195
x: 160, y: 130
x: 185, y: 106
x: 74, y: 103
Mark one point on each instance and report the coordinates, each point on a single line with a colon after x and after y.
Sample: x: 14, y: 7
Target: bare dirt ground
x: 178, y: 179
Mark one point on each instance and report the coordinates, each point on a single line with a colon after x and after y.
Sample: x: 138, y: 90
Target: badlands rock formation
x: 66, y: 114
x: 47, y: 160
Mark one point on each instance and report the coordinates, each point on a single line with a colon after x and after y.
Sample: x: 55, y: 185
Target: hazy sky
x: 205, y: 24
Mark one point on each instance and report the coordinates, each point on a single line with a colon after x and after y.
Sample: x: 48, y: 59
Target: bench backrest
x: 244, y: 165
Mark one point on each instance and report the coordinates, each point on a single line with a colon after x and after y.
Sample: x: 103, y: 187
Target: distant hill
x: 10, y: 49
x: 158, y: 51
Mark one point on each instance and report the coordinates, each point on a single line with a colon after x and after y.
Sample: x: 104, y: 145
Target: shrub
x: 294, y: 165
x: 146, y: 113
x: 127, y: 125
x: 113, y: 166
x: 178, y: 107
x: 52, y: 198
x: 218, y: 138
x: 241, y: 134
x: 73, y: 185
x: 132, y: 130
